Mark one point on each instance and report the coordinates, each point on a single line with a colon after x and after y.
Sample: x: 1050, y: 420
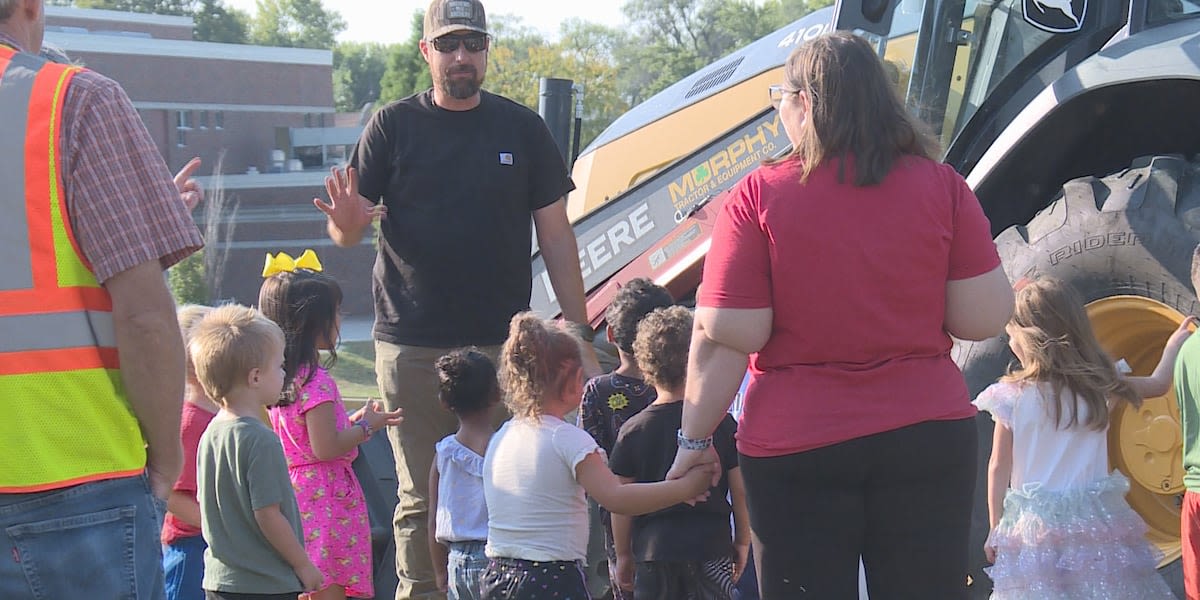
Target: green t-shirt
x: 1187, y: 391
x: 240, y: 468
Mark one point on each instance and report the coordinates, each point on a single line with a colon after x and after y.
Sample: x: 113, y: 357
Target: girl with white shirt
x: 538, y: 467
x: 1061, y: 527
x: 458, y: 519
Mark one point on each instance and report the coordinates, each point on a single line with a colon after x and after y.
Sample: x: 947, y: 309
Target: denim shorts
x: 183, y: 565
x: 466, y: 565
x: 93, y: 540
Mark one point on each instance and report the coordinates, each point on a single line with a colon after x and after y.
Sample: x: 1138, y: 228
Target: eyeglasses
x: 449, y: 43
x: 777, y: 92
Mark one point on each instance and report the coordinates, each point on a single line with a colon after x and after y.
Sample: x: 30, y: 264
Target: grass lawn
x: 355, y: 370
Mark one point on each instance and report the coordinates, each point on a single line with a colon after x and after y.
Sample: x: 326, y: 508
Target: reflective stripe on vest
x: 65, y: 419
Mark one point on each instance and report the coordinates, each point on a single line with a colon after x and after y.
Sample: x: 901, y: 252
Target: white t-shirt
x: 1043, y: 454
x: 461, y: 512
x: 536, y: 509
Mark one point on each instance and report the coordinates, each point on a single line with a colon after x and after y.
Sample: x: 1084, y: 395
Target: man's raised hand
x: 190, y: 190
x: 348, y: 210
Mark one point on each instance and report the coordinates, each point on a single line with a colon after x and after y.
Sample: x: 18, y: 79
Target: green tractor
x: 1076, y: 122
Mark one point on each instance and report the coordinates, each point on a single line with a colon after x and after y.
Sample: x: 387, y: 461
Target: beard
x: 457, y: 87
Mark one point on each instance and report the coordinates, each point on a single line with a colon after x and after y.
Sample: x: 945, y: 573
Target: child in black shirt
x: 682, y: 551
x: 610, y: 399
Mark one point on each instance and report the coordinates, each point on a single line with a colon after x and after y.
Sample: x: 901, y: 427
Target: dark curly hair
x: 467, y: 382
x: 305, y: 306
x: 661, y: 347
x: 634, y: 301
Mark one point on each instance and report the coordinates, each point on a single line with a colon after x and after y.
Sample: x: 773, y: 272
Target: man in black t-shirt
x: 458, y: 173
x: 682, y: 551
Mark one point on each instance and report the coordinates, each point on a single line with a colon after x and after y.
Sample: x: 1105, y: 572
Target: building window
x: 204, y: 119
x: 308, y: 119
x: 181, y: 137
x: 321, y: 120
x: 219, y: 119
x: 183, y: 119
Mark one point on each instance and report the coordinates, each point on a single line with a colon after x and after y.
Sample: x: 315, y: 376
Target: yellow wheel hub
x: 1145, y: 443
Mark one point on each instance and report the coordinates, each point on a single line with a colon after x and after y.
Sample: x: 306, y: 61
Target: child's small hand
x: 740, y: 557
x: 310, y: 577
x: 1184, y: 331
x: 989, y: 546
x: 699, y: 479
x: 624, y: 570
x: 377, y: 419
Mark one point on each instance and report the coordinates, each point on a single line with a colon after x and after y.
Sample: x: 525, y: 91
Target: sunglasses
x: 449, y: 43
x: 777, y: 93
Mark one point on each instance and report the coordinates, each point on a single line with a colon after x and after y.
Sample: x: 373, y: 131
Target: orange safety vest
x: 64, y: 418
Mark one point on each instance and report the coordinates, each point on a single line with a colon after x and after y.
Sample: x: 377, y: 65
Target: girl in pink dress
x: 319, y: 439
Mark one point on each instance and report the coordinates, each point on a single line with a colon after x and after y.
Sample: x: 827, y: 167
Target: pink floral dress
x: 337, y: 534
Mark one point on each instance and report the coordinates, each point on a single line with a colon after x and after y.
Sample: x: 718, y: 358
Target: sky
x: 387, y: 21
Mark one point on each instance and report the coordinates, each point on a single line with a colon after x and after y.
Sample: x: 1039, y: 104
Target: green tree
x: 216, y: 22
x: 358, y: 69
x: 158, y: 7
x: 675, y: 38
x: 295, y: 24
x: 187, y: 280
x: 406, y: 72
x: 589, y: 53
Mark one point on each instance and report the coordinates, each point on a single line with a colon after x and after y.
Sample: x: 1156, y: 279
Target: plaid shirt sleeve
x: 120, y: 196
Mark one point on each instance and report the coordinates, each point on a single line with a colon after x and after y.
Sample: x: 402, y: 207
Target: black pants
x: 901, y: 500
x: 684, y: 580
x: 516, y: 579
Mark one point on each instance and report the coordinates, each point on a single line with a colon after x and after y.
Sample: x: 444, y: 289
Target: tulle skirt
x: 1081, y: 544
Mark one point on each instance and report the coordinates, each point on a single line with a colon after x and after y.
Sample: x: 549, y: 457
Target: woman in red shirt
x: 840, y: 272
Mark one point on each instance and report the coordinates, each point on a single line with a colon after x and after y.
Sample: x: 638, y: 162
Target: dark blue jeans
x: 183, y: 564
x: 93, y: 540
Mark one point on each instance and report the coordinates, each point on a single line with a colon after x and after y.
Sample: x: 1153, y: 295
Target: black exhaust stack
x: 554, y: 104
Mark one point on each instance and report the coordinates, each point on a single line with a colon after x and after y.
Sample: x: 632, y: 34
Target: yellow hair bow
x: 282, y: 263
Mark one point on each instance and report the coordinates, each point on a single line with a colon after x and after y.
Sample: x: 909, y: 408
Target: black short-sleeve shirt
x: 460, y: 187
x: 644, y: 451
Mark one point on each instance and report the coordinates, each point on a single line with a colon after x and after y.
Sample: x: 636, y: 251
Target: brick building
x: 263, y: 115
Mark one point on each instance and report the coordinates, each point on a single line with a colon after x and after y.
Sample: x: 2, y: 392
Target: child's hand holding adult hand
x: 687, y: 461
x: 698, y: 480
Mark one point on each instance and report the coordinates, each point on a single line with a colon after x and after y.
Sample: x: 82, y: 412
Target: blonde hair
x: 189, y: 315
x: 1061, y: 349
x: 536, y: 363
x: 855, y: 110
x: 228, y: 343
x: 661, y: 346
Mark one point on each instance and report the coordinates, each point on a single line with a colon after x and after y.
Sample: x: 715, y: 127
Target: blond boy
x: 248, y: 511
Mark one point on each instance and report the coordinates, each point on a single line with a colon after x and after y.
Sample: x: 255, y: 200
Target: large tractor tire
x: 1125, y: 241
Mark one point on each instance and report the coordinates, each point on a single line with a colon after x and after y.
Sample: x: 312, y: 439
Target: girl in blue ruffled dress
x: 1060, y: 526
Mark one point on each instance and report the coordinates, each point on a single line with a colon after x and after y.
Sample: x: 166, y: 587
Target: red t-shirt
x: 857, y: 280
x: 192, y: 425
